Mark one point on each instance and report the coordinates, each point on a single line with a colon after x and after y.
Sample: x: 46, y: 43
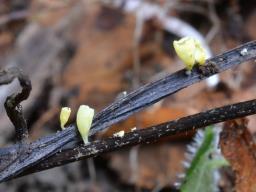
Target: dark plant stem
x: 15, y: 163
x: 148, y: 135
x: 155, y: 91
x: 12, y: 103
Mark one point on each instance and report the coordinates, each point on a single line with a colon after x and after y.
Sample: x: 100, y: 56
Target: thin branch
x: 148, y: 135
x: 215, y: 21
x: 12, y: 103
x: 147, y: 95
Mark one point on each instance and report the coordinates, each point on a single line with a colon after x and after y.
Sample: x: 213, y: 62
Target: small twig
x: 136, y: 52
x: 12, y: 103
x: 215, y: 21
x: 148, y: 135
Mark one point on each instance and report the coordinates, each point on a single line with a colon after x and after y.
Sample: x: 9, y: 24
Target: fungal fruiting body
x: 133, y: 129
x: 119, y: 134
x: 84, y: 119
x: 190, y: 51
x: 64, y: 116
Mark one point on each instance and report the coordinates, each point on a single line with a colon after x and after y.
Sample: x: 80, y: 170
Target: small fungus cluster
x: 84, y: 119
x: 190, y: 51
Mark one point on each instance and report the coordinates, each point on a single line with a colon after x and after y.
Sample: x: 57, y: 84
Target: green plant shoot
x: 202, y: 173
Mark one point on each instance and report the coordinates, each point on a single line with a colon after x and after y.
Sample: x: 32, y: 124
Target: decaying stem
x: 148, y: 135
x: 41, y: 154
x: 12, y: 103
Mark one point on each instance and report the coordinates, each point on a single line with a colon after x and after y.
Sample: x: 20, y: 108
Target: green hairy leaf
x: 202, y: 174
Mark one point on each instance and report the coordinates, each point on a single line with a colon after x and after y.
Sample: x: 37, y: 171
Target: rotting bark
x: 149, y: 94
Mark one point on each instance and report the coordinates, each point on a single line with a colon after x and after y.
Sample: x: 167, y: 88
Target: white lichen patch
x: 119, y: 134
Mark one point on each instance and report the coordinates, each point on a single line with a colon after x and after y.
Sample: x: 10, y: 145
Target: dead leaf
x: 238, y: 147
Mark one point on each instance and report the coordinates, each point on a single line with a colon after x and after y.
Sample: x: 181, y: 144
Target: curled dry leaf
x: 239, y: 149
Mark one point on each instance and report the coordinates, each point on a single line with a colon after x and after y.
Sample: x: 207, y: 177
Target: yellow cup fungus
x: 84, y: 119
x: 190, y: 51
x: 64, y: 116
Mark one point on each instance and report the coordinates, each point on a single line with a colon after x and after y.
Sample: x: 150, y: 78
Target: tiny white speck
x: 244, y: 52
x: 119, y: 134
x: 188, y: 73
x: 181, y: 175
x: 176, y: 184
x: 213, y: 81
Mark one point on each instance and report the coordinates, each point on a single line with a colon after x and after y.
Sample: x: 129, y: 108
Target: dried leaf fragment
x: 239, y: 149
